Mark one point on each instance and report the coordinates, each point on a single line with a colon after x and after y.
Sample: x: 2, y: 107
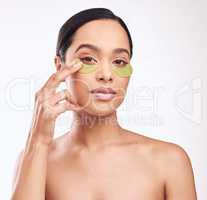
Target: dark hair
x: 66, y: 33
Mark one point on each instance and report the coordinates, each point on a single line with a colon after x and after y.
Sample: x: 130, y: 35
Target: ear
x: 58, y: 63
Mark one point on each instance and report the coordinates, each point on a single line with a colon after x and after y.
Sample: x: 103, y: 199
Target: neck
x: 94, y: 131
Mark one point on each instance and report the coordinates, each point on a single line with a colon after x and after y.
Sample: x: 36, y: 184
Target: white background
x: 167, y: 93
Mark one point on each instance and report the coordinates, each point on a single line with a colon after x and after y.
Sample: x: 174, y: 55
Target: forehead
x: 104, y: 33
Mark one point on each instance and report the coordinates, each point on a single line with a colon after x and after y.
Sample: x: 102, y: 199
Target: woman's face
x: 101, y: 44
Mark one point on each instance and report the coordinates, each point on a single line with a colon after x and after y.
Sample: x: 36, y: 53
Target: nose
x: 105, y: 73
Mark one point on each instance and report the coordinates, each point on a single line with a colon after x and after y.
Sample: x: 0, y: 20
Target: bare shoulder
x: 171, y: 162
x: 164, y: 152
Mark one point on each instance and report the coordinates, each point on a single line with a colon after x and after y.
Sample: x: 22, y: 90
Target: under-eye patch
x: 124, y: 71
x: 87, y: 68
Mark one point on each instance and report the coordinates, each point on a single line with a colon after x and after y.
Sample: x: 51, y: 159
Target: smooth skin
x: 97, y: 159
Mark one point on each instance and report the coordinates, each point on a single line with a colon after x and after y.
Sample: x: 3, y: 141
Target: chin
x: 99, y: 110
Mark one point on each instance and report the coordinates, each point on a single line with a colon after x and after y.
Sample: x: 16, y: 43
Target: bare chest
x: 105, y: 179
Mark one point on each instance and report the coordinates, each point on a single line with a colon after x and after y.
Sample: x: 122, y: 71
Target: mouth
x: 103, y: 93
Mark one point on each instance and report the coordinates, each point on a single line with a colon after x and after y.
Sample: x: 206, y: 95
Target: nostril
x: 104, y: 78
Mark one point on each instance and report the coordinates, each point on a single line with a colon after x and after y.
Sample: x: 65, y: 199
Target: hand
x: 48, y: 106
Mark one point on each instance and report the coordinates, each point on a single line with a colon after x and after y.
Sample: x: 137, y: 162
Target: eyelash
x: 124, y: 62
x: 85, y: 58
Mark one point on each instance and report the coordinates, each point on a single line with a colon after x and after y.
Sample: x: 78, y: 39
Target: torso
x: 130, y: 170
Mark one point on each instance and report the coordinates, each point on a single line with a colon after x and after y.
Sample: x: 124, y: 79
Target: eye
x: 88, y: 60
x: 120, y: 62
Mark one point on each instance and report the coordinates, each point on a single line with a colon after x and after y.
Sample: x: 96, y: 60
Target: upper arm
x: 180, y: 183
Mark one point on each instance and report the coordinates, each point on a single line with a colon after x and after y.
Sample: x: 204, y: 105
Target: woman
x: 97, y: 159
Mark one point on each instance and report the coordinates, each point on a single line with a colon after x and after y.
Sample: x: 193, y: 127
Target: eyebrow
x: 95, y: 48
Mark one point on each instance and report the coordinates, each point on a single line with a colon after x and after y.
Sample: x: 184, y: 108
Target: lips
x: 103, y: 90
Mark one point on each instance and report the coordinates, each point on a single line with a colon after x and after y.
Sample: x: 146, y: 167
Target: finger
x: 65, y: 106
x: 62, y: 95
x: 58, y: 77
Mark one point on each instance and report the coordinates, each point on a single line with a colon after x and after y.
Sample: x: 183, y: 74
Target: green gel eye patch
x: 124, y: 71
x: 87, y: 68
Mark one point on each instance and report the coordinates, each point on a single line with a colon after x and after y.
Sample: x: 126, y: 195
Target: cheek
x: 121, y: 85
x: 79, y: 88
